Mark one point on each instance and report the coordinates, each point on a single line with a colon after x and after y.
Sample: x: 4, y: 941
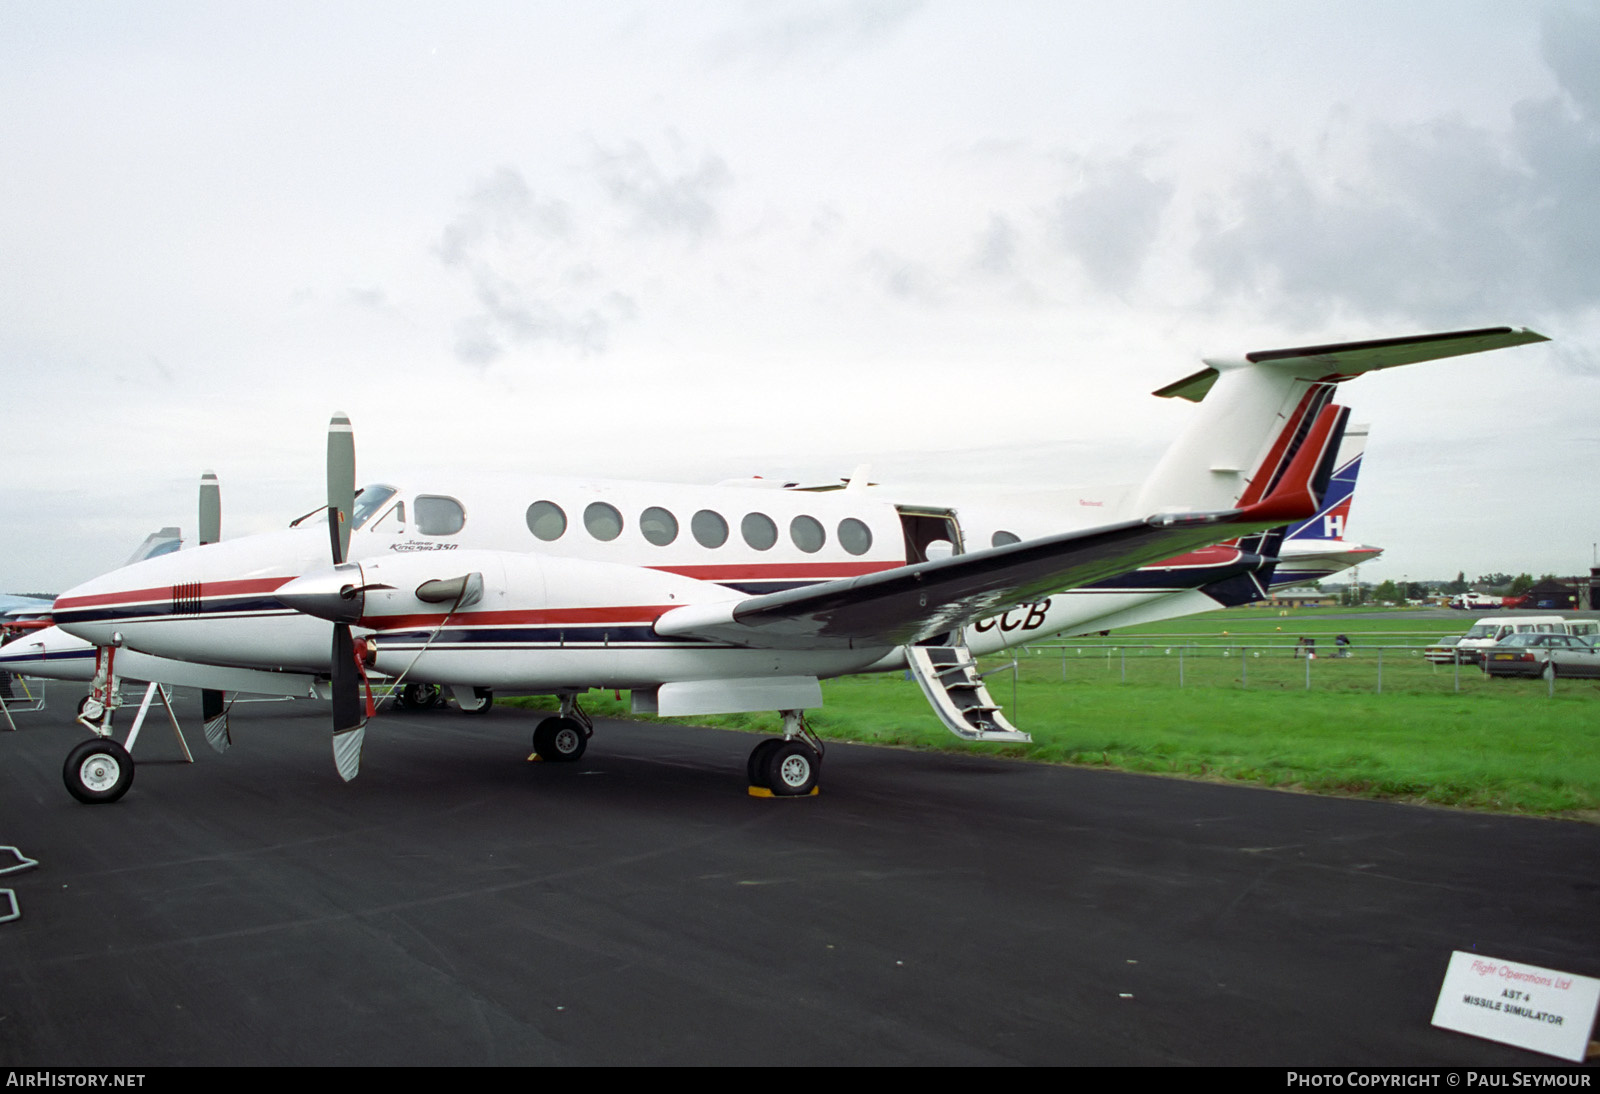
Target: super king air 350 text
x: 716, y: 599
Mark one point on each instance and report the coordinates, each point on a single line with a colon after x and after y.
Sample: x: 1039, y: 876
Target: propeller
x: 210, y: 508
x: 349, y: 714
x: 213, y: 703
x: 339, y: 596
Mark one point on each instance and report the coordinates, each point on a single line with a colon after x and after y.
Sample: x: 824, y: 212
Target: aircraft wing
x: 905, y: 605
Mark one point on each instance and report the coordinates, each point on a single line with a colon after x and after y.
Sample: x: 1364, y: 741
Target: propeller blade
x: 341, y: 484
x: 214, y: 715
x: 342, y: 602
x: 213, y: 704
x: 210, y: 508
x: 349, y: 716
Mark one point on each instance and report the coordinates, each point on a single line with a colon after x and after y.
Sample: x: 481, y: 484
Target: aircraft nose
x: 336, y: 595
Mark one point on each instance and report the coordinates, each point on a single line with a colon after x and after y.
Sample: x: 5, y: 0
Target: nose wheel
x: 98, y: 771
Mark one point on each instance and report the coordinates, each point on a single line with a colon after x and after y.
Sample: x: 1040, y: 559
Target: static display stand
x: 1524, y: 1005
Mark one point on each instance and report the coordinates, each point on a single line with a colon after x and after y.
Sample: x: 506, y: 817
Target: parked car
x: 1532, y: 654
x: 1443, y: 652
x: 1486, y: 633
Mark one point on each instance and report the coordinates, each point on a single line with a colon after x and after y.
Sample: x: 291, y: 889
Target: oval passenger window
x: 855, y: 536
x: 709, y: 529
x: 759, y: 531
x: 603, y: 521
x: 547, y: 520
x: 658, y: 525
x: 807, y: 534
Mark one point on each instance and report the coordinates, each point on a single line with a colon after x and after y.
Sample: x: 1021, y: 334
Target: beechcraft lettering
x: 713, y: 599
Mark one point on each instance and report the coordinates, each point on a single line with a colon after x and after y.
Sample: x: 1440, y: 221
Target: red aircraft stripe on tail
x: 1293, y: 498
x: 1263, y: 475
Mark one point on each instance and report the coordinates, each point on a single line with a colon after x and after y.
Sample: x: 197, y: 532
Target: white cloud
x: 556, y: 232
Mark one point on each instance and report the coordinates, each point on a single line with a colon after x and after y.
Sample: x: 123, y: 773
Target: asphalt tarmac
x: 459, y: 905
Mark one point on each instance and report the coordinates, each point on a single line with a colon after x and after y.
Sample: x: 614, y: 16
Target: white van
x: 1488, y: 632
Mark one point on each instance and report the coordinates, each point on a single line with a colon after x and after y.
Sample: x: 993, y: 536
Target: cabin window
x: 603, y: 521
x: 855, y: 536
x: 547, y: 520
x: 658, y: 525
x: 807, y: 534
x: 438, y: 516
x: 709, y: 529
x: 1002, y: 539
x: 759, y: 531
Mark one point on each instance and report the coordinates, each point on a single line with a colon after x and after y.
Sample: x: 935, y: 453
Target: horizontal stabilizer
x: 1343, y: 360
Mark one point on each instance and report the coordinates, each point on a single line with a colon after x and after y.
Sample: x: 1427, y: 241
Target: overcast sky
x: 696, y: 240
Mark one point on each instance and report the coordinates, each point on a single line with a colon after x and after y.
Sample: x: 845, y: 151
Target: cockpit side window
x: 438, y: 516
x: 369, y: 499
x: 393, y: 519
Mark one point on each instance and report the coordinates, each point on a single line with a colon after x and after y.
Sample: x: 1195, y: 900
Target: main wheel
x: 755, y: 768
x: 559, y: 740
x: 98, y: 770
x: 792, y: 769
x: 485, y: 700
x: 420, y: 696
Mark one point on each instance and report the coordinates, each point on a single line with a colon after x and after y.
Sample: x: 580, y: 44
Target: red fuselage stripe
x: 164, y: 592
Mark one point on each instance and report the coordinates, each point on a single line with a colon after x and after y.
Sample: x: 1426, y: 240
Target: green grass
x: 1430, y: 735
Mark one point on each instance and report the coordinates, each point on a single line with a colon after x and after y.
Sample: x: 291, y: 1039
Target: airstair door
x: 950, y: 680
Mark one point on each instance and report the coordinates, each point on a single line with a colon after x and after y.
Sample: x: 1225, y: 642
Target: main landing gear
x: 420, y: 697
x: 562, y: 738
x: 787, y: 766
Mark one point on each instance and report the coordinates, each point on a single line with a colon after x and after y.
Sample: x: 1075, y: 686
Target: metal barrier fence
x: 1355, y: 667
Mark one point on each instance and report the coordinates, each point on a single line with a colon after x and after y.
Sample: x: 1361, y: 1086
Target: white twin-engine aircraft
x: 703, y: 600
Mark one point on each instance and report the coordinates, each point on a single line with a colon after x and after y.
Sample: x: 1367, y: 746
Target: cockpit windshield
x: 369, y: 499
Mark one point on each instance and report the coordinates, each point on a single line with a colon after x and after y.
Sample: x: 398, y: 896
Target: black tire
x: 792, y: 769
x: 560, y: 740
x: 420, y: 696
x: 98, y: 771
x: 755, y: 768
x: 485, y: 699
x: 83, y: 704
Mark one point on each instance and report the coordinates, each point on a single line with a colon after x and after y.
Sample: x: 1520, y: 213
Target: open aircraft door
x: 943, y: 666
x: 925, y: 527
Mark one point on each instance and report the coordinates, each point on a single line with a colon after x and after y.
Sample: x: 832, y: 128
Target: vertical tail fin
x: 1255, y: 409
x: 1333, y: 518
